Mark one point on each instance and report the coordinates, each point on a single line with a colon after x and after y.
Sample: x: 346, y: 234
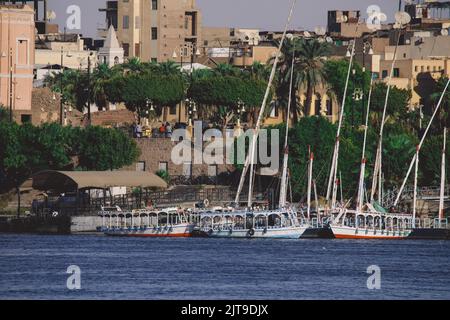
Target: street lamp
x: 240, y: 111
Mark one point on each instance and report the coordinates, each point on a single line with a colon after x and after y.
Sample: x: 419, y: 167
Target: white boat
x: 370, y: 224
x: 282, y: 224
x: 170, y: 222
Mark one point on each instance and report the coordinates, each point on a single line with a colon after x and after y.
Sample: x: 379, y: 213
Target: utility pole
x: 10, y: 85
x: 89, y: 90
x: 61, y: 104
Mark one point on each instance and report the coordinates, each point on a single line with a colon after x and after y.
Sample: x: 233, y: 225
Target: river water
x: 35, y: 267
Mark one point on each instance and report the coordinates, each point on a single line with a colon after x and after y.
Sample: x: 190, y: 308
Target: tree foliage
x: 27, y: 149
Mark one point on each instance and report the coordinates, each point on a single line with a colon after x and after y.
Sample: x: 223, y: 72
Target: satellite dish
x: 344, y: 18
x: 51, y: 15
x: 402, y: 18
x: 329, y: 39
x: 290, y: 36
x: 307, y: 34
x: 444, y: 32
x: 321, y: 31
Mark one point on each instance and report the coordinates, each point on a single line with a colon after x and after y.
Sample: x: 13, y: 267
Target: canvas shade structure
x: 66, y: 181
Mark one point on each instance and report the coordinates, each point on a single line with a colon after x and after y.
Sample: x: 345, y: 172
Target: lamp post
x: 367, y: 49
x: 89, y: 88
x: 240, y: 111
x: 61, y: 102
x: 10, y: 85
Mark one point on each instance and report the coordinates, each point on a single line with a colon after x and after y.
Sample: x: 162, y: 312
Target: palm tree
x: 310, y: 55
x: 310, y: 65
x: 168, y: 68
x: 100, y: 77
x: 225, y: 69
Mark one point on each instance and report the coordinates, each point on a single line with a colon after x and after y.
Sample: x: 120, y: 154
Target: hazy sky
x: 262, y: 14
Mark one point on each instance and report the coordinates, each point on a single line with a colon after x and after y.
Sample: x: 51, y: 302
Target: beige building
x: 419, y: 64
x: 17, y: 59
x: 50, y: 46
x: 159, y: 30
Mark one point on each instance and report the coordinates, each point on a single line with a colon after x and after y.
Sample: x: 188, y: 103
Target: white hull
x: 180, y: 230
x: 280, y: 233
x: 345, y: 232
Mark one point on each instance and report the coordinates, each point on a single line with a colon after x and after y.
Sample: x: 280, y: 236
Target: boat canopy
x: 69, y: 181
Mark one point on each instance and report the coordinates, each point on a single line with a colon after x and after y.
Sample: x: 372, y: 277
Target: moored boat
x: 282, y: 224
x: 371, y: 224
x: 170, y: 222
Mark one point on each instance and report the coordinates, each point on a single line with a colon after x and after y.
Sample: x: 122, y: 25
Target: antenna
x: 444, y: 32
x: 320, y: 31
x: 402, y: 18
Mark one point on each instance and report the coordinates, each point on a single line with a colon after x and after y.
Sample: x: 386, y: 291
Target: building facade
x: 159, y: 30
x: 17, y: 59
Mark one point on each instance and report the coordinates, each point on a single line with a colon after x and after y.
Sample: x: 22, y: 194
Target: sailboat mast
x: 261, y: 111
x: 283, y: 186
x: 335, y: 160
x: 442, y: 191
x: 310, y: 172
x: 421, y: 143
x: 416, y: 173
x: 377, y: 174
x: 360, y: 197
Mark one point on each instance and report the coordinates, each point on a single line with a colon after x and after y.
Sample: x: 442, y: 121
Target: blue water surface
x: 34, y: 267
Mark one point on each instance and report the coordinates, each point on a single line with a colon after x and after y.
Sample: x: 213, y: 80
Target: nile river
x: 34, y: 267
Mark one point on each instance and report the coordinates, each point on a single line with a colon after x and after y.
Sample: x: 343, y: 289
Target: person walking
x: 168, y: 130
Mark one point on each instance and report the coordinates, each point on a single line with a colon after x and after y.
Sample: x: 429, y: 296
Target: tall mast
x: 283, y: 186
x: 377, y: 173
x: 250, y: 158
x: 421, y: 143
x: 416, y: 173
x: 332, y: 183
x: 310, y: 171
x: 360, y: 197
x: 442, y: 193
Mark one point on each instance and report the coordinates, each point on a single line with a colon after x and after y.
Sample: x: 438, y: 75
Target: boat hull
x: 353, y: 233
x: 178, y: 231
x: 281, y: 233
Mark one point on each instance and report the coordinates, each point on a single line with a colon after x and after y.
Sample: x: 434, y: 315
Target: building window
x: 384, y: 74
x: 25, y: 118
x: 163, y: 166
x: 22, y: 52
x: 187, y: 169
x: 154, y: 60
x: 154, y: 33
x: 137, y: 50
x: 212, y: 170
x: 154, y: 4
x: 329, y: 108
x: 317, y: 106
x: 396, y: 72
x: 140, y: 166
x: 274, y: 112
x: 173, y: 110
x: 126, y: 49
x: 126, y: 22
x: 422, y: 69
x: 416, y: 68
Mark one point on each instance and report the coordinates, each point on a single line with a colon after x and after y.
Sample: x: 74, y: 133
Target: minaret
x: 111, y: 53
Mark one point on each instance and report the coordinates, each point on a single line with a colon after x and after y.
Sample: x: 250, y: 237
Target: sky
x: 259, y: 14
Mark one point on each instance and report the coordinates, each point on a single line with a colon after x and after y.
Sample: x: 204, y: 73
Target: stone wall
x: 157, y: 150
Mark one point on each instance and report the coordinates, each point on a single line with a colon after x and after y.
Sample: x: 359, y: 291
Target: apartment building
x: 17, y: 59
x: 423, y: 60
x: 159, y: 30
